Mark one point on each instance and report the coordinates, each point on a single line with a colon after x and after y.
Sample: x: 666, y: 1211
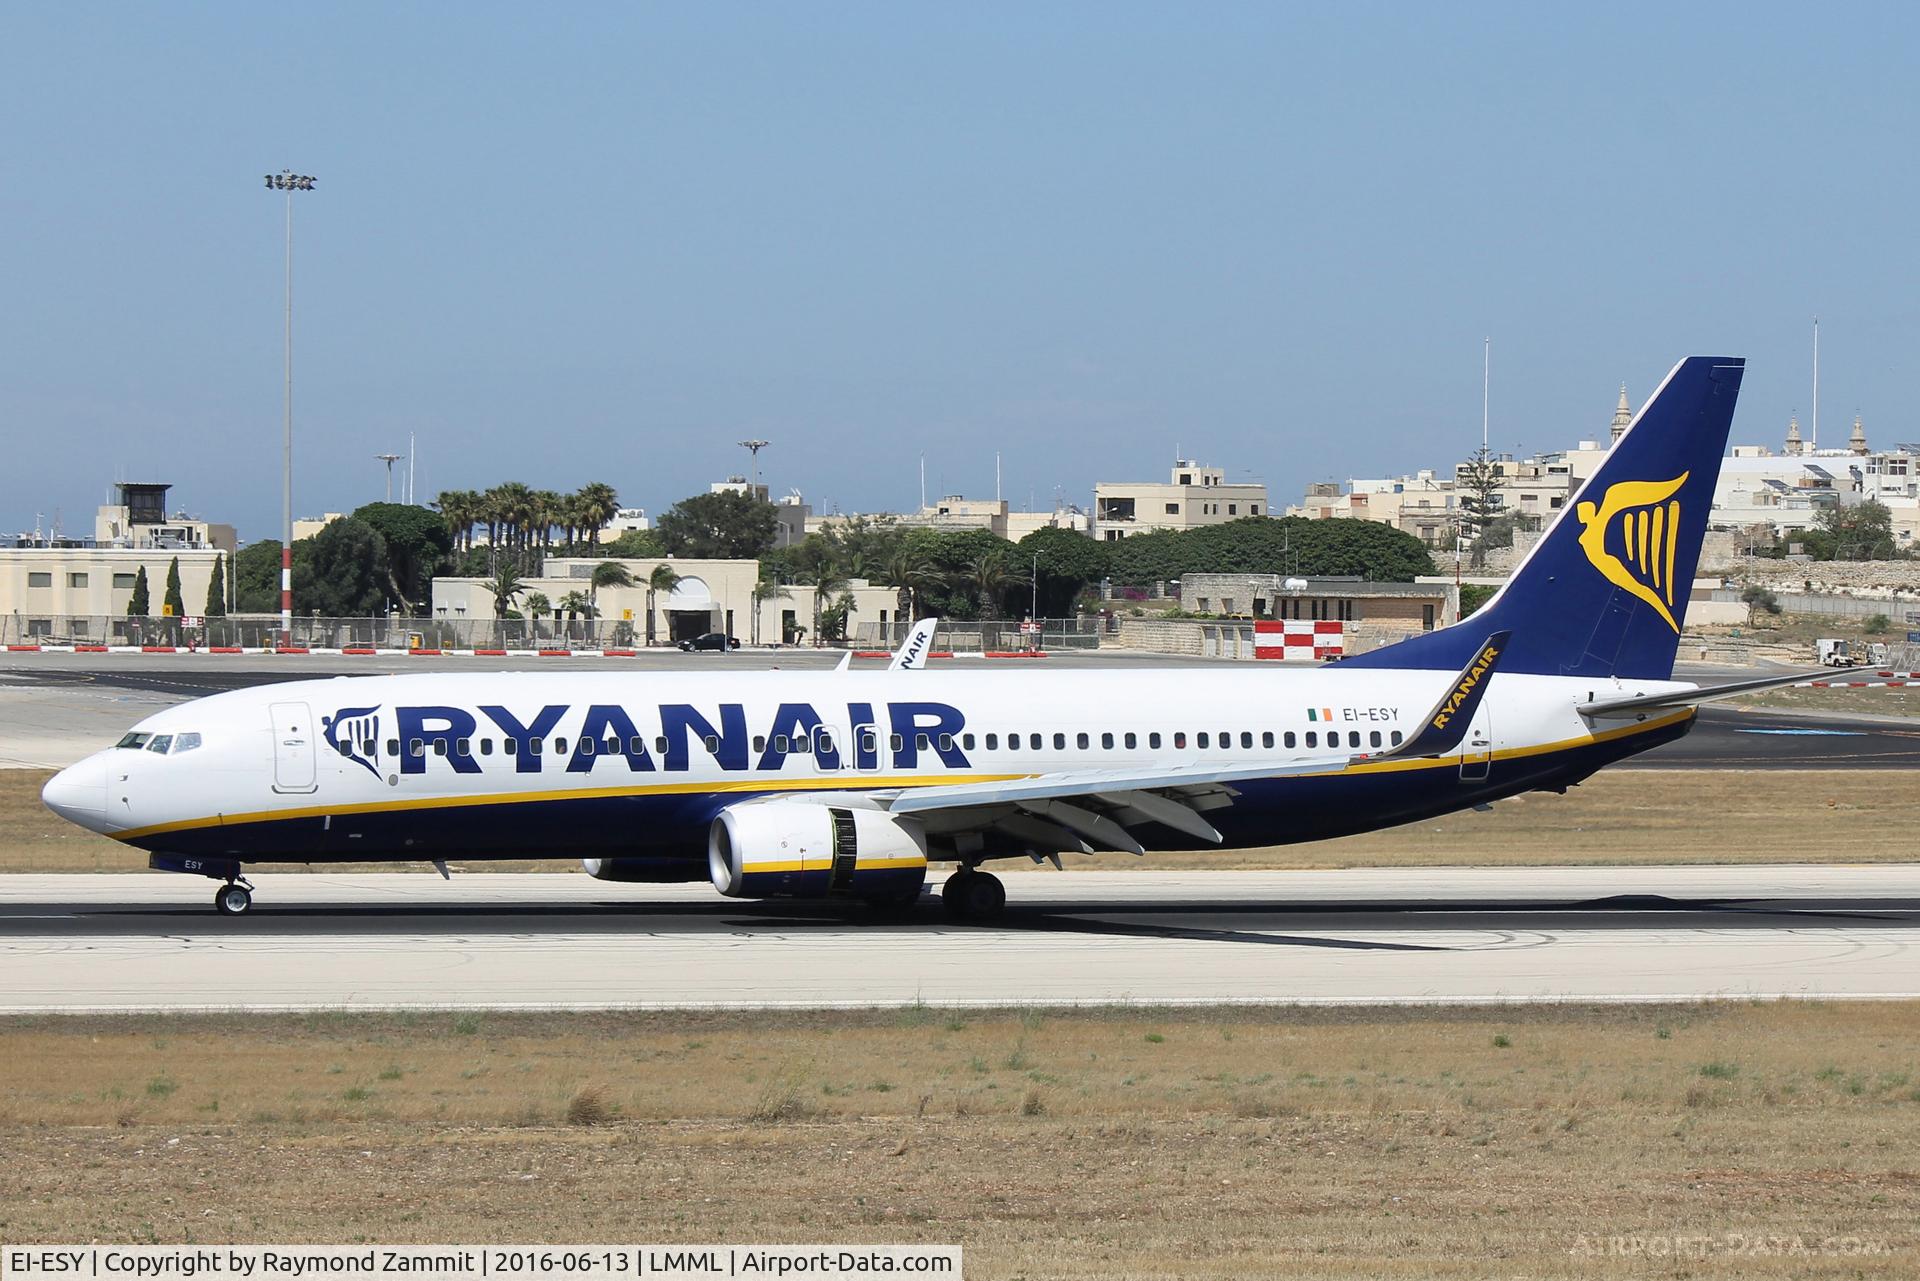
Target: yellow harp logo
x: 1641, y: 518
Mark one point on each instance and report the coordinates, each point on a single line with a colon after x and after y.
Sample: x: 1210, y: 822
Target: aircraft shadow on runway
x: 1316, y: 925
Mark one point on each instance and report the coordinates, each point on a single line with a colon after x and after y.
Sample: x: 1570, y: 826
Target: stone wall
x: 1878, y: 579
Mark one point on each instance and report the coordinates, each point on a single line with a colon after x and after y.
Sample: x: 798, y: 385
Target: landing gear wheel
x: 233, y: 900
x: 973, y: 896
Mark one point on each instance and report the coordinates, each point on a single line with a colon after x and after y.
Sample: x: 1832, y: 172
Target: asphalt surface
x: 1362, y: 936
x: 55, y: 708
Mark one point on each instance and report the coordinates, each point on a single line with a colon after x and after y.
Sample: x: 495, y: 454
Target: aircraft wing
x: 1088, y: 809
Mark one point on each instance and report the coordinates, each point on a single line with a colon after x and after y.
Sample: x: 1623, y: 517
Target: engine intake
x: 809, y: 849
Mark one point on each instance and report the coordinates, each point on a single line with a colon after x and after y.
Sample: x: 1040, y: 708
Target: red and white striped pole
x: 288, y: 181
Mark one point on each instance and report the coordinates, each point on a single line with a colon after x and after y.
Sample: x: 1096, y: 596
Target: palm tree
x: 545, y: 511
x: 608, y: 573
x: 574, y: 605
x: 512, y: 515
x: 664, y: 578
x: 537, y: 608
x: 907, y: 569
x: 990, y: 576
x: 828, y: 581
x: 505, y: 586
x: 763, y: 591
x: 459, y: 508
x: 599, y: 504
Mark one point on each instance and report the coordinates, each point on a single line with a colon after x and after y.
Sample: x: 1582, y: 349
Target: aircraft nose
x: 78, y: 793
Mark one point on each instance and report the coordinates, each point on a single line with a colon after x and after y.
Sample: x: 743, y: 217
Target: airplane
x: 845, y: 785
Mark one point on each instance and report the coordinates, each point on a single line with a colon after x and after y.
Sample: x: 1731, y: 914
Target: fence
x: 1903, y: 612
x: 997, y: 635
x: 262, y: 631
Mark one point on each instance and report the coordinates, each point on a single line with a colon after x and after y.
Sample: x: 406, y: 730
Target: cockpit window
x: 134, y: 740
x: 160, y: 743
x: 185, y: 742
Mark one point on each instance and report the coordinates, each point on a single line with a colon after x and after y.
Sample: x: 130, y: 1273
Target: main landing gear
x: 973, y: 895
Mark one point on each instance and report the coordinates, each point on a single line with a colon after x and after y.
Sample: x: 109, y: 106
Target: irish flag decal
x: 1319, y: 713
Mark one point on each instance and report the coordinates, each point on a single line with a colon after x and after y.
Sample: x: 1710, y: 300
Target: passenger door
x: 294, y: 760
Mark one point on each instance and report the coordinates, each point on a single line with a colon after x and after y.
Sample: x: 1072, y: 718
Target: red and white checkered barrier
x: 1306, y: 640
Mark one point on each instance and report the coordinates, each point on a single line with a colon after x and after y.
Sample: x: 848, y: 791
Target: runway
x: 399, y: 940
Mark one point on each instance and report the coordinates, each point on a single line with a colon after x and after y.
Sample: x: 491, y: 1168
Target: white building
x: 1194, y: 495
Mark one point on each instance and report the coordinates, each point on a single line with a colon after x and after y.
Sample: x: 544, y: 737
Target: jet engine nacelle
x: 650, y: 871
x: 815, y: 849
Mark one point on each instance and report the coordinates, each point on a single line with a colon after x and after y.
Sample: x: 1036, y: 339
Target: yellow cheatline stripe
x: 855, y: 782
x: 839, y: 783
x: 825, y: 863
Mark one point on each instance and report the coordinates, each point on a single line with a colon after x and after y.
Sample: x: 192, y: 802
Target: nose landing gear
x: 233, y: 898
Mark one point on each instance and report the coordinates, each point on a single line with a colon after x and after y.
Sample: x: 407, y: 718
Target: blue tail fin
x: 1604, y: 591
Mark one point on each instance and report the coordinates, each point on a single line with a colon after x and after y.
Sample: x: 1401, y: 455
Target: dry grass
x: 1855, y: 702
x: 1619, y: 816
x: 1373, y: 1143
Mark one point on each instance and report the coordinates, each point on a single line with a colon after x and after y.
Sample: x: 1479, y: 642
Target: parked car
x: 712, y: 640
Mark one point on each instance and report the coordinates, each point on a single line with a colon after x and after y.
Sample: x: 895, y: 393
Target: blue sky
x: 580, y: 243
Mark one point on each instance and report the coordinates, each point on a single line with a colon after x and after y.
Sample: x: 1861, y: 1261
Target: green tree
x: 460, y: 508
x: 1758, y: 600
x: 597, y: 505
x: 990, y: 577
x: 664, y: 578
x: 1876, y: 624
x: 139, y: 604
x: 173, y: 603
x: 828, y: 582
x: 729, y: 525
x: 256, y: 577
x: 1473, y: 596
x: 216, y: 606
x: 1069, y: 562
x: 1857, y: 531
x: 344, y: 573
x: 635, y: 544
x: 1259, y: 545
x: 1478, y: 482
x: 419, y: 545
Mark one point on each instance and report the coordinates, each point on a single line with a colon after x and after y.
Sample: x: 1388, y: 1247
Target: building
x: 791, y: 513
x: 1409, y: 607
x: 955, y: 512
x: 711, y: 596
x: 1194, y: 495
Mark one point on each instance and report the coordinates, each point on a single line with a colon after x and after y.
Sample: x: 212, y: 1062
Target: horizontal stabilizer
x: 1705, y: 694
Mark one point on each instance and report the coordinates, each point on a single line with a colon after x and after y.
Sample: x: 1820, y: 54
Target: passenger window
x: 966, y: 741
x: 1153, y: 739
x: 760, y: 743
x: 1353, y: 738
x: 1179, y: 738
x: 417, y: 747
x: 1246, y: 739
x: 1200, y: 739
x: 1082, y: 742
x: 560, y: 746
x: 896, y: 743
x: 345, y: 749
x: 1289, y: 740
x: 712, y: 743
x: 922, y: 742
x: 611, y: 747
x: 1313, y: 739
x: 1131, y: 741
x: 660, y: 744
x: 946, y: 742
x: 993, y: 741
x: 1396, y: 738
x: 1059, y: 742
x: 509, y: 747
x: 486, y: 747
x: 1266, y: 738
x: 160, y: 743
x: 802, y: 744
x: 824, y: 738
x: 462, y: 747
x: 780, y: 742
x: 636, y: 745
x: 536, y: 745
x: 1106, y: 742
x: 586, y: 747
x: 439, y: 747
x: 1374, y: 738
x: 1033, y: 741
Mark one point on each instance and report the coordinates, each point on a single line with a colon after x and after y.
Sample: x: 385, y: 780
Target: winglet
x: 1446, y: 724
x: 913, y: 651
